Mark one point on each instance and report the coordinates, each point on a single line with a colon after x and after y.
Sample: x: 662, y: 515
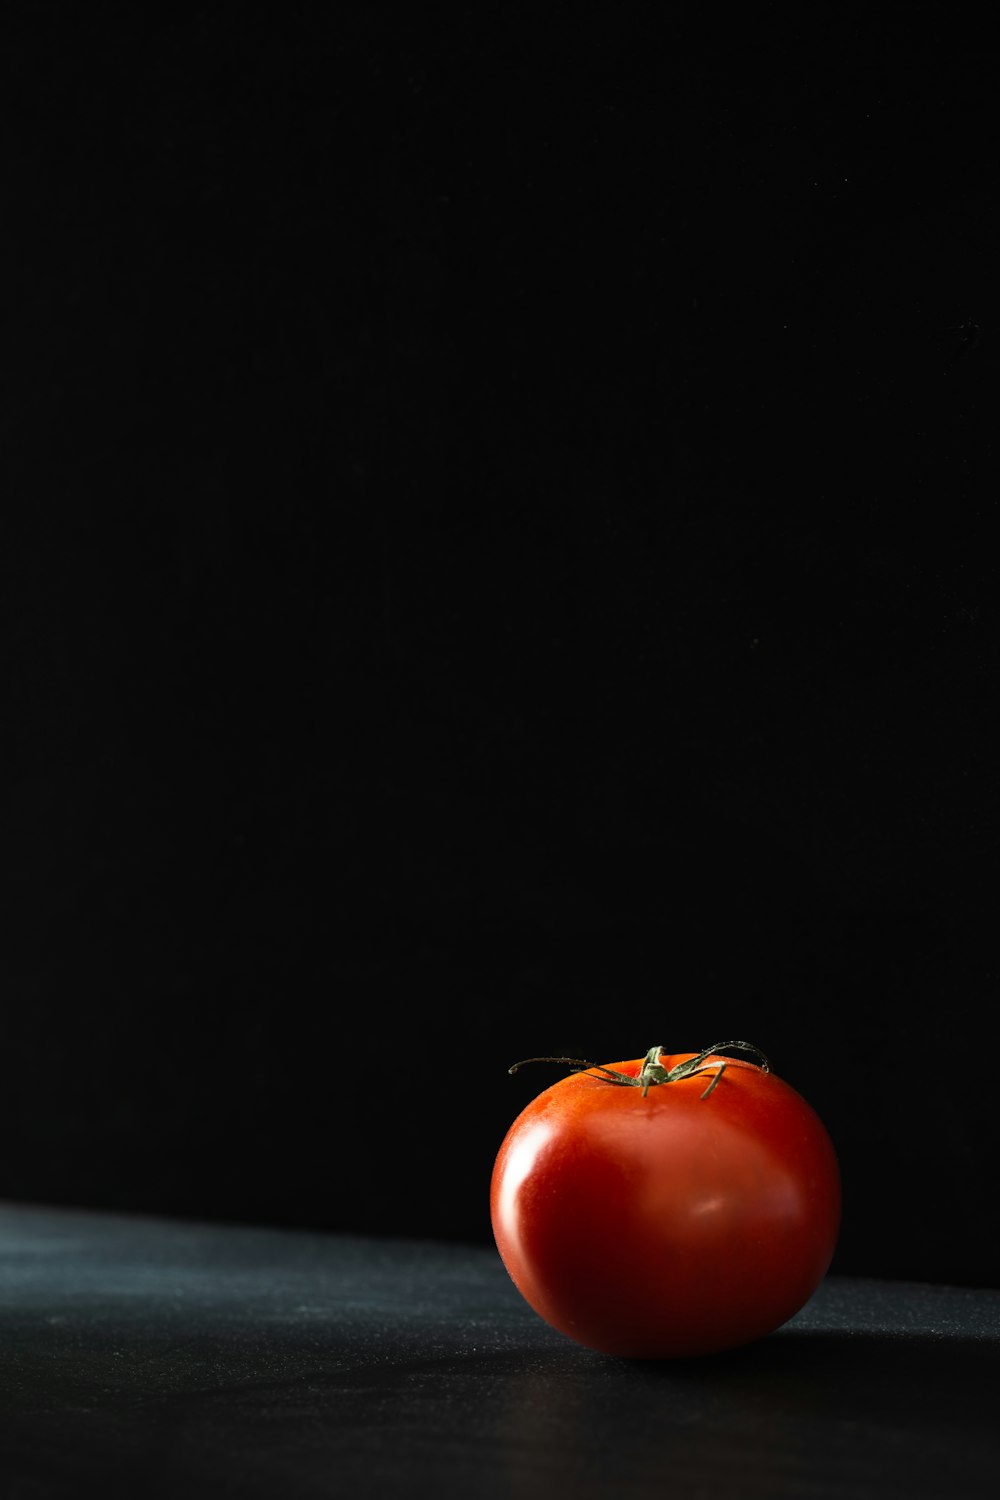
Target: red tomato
x: 692, y: 1216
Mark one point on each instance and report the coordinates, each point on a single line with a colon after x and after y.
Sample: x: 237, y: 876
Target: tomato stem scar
x: 652, y: 1071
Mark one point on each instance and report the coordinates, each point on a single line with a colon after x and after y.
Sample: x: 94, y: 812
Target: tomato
x: 673, y: 1205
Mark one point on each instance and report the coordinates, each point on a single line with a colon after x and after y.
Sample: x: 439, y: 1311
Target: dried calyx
x: 653, y: 1072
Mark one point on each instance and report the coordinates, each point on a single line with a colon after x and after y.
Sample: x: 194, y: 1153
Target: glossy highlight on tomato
x: 682, y: 1210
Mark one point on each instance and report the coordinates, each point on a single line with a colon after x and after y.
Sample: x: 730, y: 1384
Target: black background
x: 498, y: 559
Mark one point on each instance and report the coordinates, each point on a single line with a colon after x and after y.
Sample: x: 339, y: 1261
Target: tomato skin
x: 670, y: 1225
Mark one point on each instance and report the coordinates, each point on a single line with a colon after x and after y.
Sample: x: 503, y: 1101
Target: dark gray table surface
x: 150, y: 1358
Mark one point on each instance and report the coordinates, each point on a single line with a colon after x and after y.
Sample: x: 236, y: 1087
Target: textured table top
x: 151, y: 1358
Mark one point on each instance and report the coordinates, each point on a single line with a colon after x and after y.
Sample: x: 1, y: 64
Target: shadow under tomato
x: 847, y: 1375
x: 867, y: 1414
